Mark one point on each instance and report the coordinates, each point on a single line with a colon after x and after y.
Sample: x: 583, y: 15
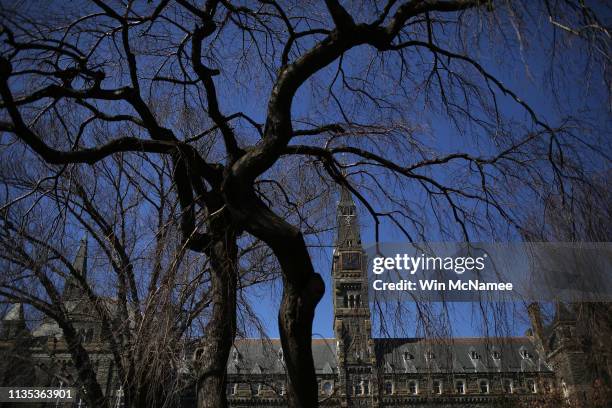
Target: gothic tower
x: 352, y: 324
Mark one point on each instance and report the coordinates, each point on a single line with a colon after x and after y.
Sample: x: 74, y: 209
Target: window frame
x: 463, y: 386
x: 482, y: 381
x: 436, y: 390
x: 531, y: 389
x: 326, y: 383
x: 509, y: 390
x: 416, y: 387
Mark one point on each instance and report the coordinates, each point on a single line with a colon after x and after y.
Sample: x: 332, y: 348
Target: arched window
x: 460, y: 386
x: 357, y: 388
x: 281, y: 356
x: 365, y: 387
x: 508, y: 386
x: 483, y: 386
x: 436, y: 387
x: 413, y: 387
x: 564, y: 389
x: 531, y: 386
x: 351, y: 301
x: 388, y: 387
x: 256, y: 388
x: 328, y: 388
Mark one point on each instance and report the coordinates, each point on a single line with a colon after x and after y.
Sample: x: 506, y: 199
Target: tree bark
x: 212, y: 355
x: 295, y: 319
x: 85, y: 373
x: 303, y: 288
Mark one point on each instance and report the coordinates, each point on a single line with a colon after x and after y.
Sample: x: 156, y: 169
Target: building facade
x: 354, y: 369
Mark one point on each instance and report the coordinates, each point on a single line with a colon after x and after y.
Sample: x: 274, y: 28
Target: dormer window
x: 525, y: 354
x: 474, y: 355
x: 281, y: 357
x: 430, y: 355
x: 236, y: 356
x: 496, y: 355
x: 408, y: 356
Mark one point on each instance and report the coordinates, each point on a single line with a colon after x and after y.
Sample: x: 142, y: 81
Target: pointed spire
x: 72, y: 288
x: 347, y: 222
x: 13, y: 323
x: 346, y: 198
x: 80, y: 261
x: 15, y: 313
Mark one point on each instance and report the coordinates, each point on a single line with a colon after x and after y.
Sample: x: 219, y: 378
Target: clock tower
x: 352, y: 324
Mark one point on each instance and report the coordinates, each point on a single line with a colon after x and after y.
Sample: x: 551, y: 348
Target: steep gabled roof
x: 264, y: 356
x: 463, y: 355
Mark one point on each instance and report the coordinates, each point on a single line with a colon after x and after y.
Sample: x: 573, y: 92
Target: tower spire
x: 349, y: 235
x: 72, y: 288
x: 13, y: 323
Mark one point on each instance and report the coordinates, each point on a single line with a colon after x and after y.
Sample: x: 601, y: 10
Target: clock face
x: 351, y: 260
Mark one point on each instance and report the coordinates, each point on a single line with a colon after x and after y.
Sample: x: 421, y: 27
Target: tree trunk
x: 303, y: 288
x: 295, y: 319
x: 85, y: 373
x: 212, y: 355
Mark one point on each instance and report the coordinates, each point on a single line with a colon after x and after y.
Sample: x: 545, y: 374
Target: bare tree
x: 584, y: 215
x: 368, y: 65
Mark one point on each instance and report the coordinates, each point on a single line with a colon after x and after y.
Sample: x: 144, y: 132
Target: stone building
x: 354, y: 369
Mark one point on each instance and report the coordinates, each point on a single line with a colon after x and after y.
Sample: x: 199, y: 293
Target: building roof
x: 264, y: 356
x: 459, y: 355
x: 410, y: 355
